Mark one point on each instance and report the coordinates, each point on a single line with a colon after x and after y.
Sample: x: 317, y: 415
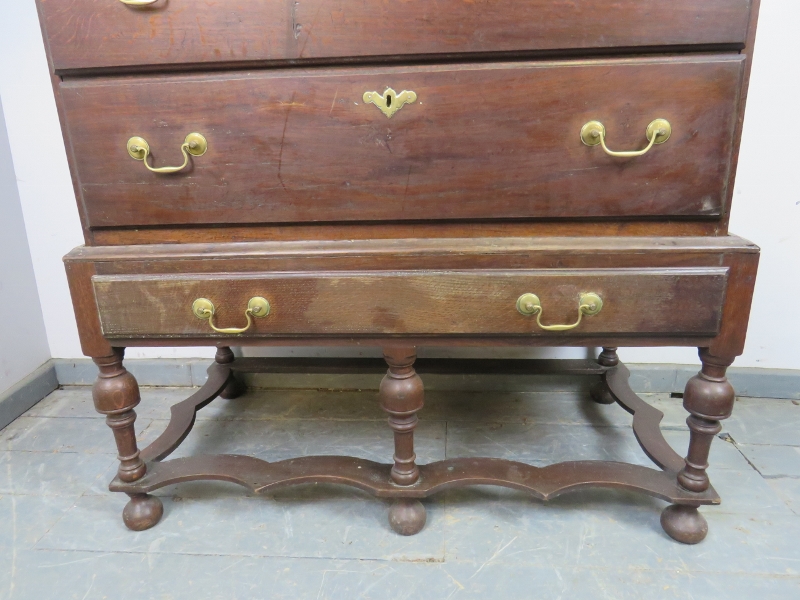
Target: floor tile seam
x: 74, y: 495
x: 760, y: 445
x: 43, y: 416
x: 777, y: 477
x: 747, y: 460
x: 434, y: 564
x: 531, y: 422
x: 640, y: 570
x: 62, y: 516
x: 86, y: 452
x: 433, y: 561
x: 460, y: 422
x: 11, y: 450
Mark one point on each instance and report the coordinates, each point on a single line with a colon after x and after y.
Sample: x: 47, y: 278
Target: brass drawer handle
x: 529, y: 304
x: 203, y: 308
x: 657, y: 132
x: 194, y: 144
x: 390, y: 101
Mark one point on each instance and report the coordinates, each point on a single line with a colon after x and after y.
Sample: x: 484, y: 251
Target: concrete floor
x: 62, y: 537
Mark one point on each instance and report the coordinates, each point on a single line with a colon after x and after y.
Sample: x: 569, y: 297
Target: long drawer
x: 534, y: 302
x: 110, y: 34
x: 479, y: 141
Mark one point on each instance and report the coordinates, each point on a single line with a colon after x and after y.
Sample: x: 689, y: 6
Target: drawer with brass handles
x: 583, y: 139
x: 676, y: 301
x: 87, y: 34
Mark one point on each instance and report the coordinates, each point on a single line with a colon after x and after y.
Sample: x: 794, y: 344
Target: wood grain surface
x: 107, y: 34
x: 646, y: 301
x: 482, y: 142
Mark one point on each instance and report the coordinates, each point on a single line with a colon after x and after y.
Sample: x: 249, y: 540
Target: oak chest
x: 404, y: 174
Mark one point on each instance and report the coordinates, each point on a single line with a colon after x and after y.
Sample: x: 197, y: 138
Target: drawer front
x: 685, y: 301
x: 479, y: 142
x: 109, y: 34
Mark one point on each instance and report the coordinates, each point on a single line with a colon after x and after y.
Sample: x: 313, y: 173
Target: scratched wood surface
x: 107, y: 34
x: 647, y: 301
x: 482, y: 142
x: 112, y: 236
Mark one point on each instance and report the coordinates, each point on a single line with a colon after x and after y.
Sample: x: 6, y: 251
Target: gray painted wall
x: 23, y: 341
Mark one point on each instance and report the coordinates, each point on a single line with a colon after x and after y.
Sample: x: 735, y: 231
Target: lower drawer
x: 673, y: 301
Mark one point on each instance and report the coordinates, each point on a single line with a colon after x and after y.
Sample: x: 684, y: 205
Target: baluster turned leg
x: 115, y: 394
x: 401, y: 396
x: 600, y: 392
x: 709, y: 398
x: 235, y: 386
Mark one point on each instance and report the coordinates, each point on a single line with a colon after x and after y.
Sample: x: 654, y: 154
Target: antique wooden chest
x: 402, y: 174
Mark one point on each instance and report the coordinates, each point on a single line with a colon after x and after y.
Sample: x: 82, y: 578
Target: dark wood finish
x: 83, y: 34
x: 684, y: 523
x: 427, y: 253
x: 234, y: 388
x: 443, y: 254
x: 402, y: 397
x: 420, y: 230
x: 183, y: 413
x: 403, y: 393
x: 543, y: 483
x: 314, y: 151
x: 600, y: 392
x: 116, y: 394
x: 407, y: 516
x: 79, y: 279
x: 646, y: 420
x: 709, y: 399
x: 667, y: 301
x: 142, y: 512
x: 391, y: 230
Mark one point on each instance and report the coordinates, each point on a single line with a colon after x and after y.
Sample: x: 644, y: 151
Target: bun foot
x: 684, y: 523
x: 233, y: 389
x: 407, y: 517
x: 142, y: 512
x: 601, y: 394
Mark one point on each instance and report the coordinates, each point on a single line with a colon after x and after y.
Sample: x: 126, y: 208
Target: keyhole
x: 389, y: 100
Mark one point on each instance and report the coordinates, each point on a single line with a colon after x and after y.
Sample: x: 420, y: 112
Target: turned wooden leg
x: 709, y: 398
x: 600, y: 392
x: 235, y: 386
x: 116, y: 394
x: 401, y: 396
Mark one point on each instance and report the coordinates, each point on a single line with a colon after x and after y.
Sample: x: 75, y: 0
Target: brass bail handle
x: 203, y: 308
x: 657, y: 132
x: 589, y: 304
x: 194, y: 144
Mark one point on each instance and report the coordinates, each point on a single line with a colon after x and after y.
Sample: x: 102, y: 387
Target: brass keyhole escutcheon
x: 390, y: 101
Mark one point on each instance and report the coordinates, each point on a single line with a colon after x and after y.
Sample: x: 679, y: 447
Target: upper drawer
x: 480, y: 142
x: 110, y: 34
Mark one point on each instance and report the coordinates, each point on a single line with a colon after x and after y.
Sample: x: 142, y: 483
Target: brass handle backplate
x: 203, y: 308
x: 390, y: 101
x: 194, y: 144
x: 589, y: 304
x: 657, y: 132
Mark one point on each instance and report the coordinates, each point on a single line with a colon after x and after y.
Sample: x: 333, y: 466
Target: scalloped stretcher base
x: 543, y: 483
